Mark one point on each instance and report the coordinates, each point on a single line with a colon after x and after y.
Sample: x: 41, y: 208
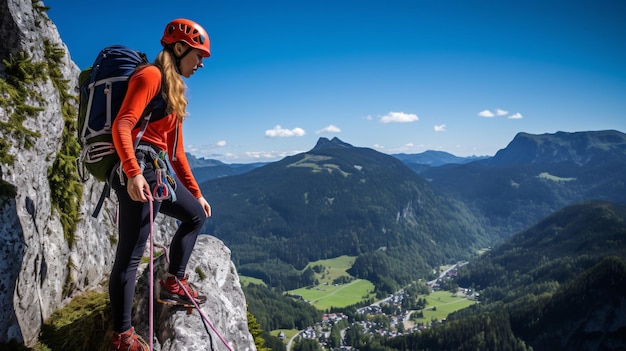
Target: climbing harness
x: 165, y: 187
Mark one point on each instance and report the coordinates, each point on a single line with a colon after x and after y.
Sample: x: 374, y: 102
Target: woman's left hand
x: 205, y: 205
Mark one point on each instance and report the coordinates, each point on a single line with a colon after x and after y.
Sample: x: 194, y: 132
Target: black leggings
x: 134, y: 230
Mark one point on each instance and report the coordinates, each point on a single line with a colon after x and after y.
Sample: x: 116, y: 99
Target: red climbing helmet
x: 188, y: 31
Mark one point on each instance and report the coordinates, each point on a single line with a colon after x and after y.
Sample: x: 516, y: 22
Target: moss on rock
x: 81, y: 325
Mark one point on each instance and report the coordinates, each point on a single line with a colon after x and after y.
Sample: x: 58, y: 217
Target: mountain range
x: 337, y: 199
x: 206, y: 169
x: 536, y: 175
x: 333, y: 200
x: 431, y: 158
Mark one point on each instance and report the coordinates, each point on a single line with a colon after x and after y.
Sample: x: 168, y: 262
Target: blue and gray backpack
x: 102, y: 90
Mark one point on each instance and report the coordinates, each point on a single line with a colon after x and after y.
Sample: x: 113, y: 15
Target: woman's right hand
x: 138, y: 188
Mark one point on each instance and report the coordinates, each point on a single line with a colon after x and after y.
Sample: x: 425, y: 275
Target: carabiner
x: 160, y: 191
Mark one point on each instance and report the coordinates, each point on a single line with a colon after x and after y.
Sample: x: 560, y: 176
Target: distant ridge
x: 578, y: 147
x: 435, y: 158
x: 536, y: 175
x: 205, y: 169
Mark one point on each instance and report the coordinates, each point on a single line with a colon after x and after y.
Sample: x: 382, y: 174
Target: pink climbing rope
x: 151, y: 304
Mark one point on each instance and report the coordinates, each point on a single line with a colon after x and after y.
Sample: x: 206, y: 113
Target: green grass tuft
x: 81, y: 325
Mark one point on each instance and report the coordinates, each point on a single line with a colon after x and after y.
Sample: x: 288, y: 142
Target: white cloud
x: 486, y: 113
x: 499, y: 112
x: 378, y: 146
x: 280, y: 132
x: 399, y: 117
x: 206, y: 149
x: 241, y: 157
x: 516, y: 116
x: 440, y: 128
x: 329, y: 129
x: 410, y: 148
x: 265, y: 155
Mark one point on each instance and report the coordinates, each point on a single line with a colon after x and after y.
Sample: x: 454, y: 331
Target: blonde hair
x: 172, y: 87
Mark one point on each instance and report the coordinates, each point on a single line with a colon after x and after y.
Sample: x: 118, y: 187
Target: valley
x: 549, y: 207
x: 399, y: 313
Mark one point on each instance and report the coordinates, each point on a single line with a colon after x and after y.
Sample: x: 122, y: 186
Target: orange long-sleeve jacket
x: 165, y: 133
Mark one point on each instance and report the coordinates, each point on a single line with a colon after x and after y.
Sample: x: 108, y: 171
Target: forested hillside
x: 339, y: 200
x: 556, y: 286
x: 556, y: 250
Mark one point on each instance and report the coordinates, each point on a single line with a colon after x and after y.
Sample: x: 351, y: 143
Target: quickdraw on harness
x: 165, y: 187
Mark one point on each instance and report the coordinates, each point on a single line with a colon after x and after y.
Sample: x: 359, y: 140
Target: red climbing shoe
x: 128, y: 341
x: 173, y: 293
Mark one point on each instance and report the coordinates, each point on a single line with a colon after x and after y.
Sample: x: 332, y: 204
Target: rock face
x: 225, y: 308
x: 39, y: 271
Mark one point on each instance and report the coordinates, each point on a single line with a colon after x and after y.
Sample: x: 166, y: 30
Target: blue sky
x: 459, y: 76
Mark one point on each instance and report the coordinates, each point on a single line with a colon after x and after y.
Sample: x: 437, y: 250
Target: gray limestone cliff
x: 40, y: 272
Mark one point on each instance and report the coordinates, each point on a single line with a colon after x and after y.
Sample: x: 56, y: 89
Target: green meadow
x: 244, y: 280
x: 326, y: 294
x: 440, y: 304
x: 333, y: 268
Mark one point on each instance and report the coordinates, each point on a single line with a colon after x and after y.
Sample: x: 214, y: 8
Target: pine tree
x: 255, y: 330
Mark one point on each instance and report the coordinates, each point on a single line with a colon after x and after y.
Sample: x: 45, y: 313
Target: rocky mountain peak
x: 334, y: 143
